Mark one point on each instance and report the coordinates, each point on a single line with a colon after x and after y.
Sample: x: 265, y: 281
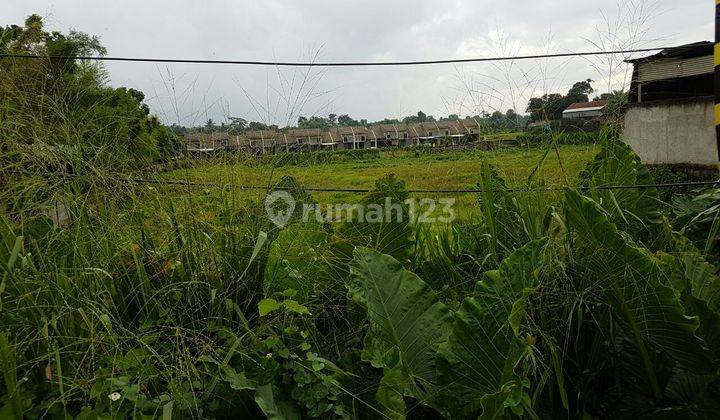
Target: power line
x: 337, y: 64
x: 137, y: 180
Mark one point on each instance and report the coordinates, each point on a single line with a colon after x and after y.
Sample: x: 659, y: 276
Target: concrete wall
x: 673, y: 132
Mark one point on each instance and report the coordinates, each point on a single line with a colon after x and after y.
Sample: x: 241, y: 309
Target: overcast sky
x: 365, y: 30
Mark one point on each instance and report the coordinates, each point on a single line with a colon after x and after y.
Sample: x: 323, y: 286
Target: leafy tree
x: 237, y: 125
x: 579, y: 92
x: 551, y: 106
x: 210, y: 126
x: 70, y: 115
x: 388, y: 121
x: 421, y: 117
x: 313, y: 122
x: 346, y: 120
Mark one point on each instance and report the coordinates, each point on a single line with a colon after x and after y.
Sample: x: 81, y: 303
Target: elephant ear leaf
x: 633, y: 209
x: 637, y: 288
x: 406, y: 320
x: 479, y: 360
x: 295, y: 260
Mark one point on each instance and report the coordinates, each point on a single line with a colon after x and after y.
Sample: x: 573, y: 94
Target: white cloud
x: 345, y: 31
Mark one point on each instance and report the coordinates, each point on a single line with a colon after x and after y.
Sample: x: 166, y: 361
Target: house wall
x: 673, y: 132
x: 582, y: 114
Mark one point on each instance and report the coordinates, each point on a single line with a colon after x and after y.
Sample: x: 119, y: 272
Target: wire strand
x: 138, y: 180
x: 338, y: 64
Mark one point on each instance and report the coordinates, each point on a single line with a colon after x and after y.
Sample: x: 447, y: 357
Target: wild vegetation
x: 120, y: 299
x: 597, y: 304
x: 60, y: 115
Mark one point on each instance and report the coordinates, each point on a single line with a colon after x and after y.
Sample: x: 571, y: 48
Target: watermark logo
x: 280, y: 207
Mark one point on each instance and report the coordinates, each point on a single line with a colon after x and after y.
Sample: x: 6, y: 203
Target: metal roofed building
x: 585, y: 110
x: 671, y: 111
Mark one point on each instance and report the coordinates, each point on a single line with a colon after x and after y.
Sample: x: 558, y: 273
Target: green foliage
x: 537, y: 139
x: 482, y: 357
x: 385, y: 224
x: 642, y: 298
x: 407, y: 324
x: 295, y: 261
x: 637, y: 211
x: 551, y: 106
x: 162, y: 300
x: 60, y: 115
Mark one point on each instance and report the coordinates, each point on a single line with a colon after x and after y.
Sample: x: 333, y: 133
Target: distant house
x: 354, y: 137
x: 393, y: 134
x: 205, y: 143
x: 261, y: 141
x: 309, y: 139
x: 671, y: 117
x: 472, y: 127
x: 584, y: 110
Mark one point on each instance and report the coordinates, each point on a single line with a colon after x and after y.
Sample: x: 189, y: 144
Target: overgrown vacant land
x: 422, y: 169
x: 123, y: 299
x: 199, y: 306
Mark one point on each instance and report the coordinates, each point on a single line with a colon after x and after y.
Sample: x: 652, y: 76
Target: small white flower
x: 269, y: 355
x: 114, y: 396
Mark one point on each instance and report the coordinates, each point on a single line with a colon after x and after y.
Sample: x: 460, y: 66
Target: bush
x: 535, y: 139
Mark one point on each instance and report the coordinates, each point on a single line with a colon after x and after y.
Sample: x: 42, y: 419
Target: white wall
x: 673, y: 132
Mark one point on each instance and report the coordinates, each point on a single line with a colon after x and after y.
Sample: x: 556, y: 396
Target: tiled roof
x: 583, y: 105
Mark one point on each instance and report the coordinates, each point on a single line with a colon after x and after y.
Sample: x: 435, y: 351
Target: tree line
x: 65, y: 109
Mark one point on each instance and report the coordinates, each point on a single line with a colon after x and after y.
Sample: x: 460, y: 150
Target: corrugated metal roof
x: 673, y: 68
x: 696, y: 49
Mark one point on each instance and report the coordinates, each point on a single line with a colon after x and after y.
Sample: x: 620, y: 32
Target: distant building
x: 670, y: 117
x: 585, y: 110
x: 206, y: 143
x: 338, y: 137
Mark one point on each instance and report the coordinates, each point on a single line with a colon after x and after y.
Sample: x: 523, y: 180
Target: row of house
x: 338, y: 138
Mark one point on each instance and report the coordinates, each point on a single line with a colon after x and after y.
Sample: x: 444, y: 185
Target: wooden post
x: 717, y: 78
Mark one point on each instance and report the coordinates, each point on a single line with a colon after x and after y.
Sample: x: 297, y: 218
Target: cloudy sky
x: 341, y: 30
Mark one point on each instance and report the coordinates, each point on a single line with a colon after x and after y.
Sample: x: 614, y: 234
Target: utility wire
x: 137, y: 180
x: 337, y: 64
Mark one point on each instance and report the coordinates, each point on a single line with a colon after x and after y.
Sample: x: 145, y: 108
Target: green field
x: 451, y: 170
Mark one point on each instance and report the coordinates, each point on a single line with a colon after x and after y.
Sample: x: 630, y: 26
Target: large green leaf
x: 695, y: 278
x: 388, y: 230
x: 632, y: 209
x: 510, y: 220
x: 407, y: 323
x: 274, y: 409
x: 296, y: 259
x: 637, y: 287
x: 479, y: 361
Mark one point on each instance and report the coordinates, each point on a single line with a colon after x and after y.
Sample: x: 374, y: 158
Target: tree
x: 313, y: 122
x: 210, y: 126
x: 421, y: 117
x: 77, y: 121
x: 237, y: 125
x: 346, y: 120
x: 579, y: 92
x: 257, y: 126
x: 497, y: 119
x: 551, y: 106
x: 546, y: 107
